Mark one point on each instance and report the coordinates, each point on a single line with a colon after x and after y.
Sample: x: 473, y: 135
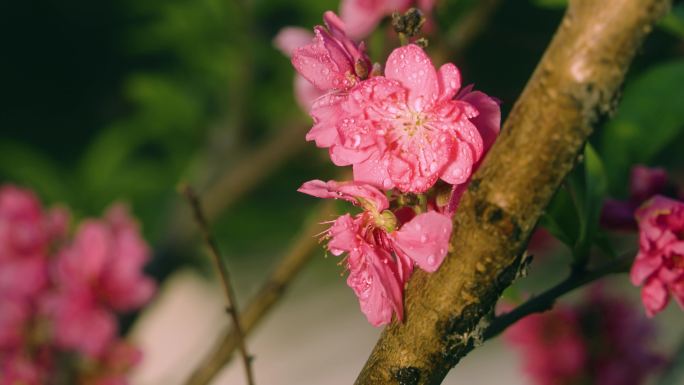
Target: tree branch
x: 270, y: 293
x: 232, y: 308
x: 575, y: 82
x: 545, y: 301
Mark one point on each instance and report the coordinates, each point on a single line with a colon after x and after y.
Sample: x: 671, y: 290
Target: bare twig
x: 545, y: 300
x: 573, y: 86
x: 232, y: 307
x: 271, y: 292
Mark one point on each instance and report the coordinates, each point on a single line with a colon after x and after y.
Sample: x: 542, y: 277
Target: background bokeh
x: 122, y: 100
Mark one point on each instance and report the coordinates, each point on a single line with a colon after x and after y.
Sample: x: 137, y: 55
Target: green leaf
x: 649, y: 118
x: 595, y: 189
x: 548, y: 222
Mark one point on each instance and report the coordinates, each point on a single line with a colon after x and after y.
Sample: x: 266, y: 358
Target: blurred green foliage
x: 123, y: 99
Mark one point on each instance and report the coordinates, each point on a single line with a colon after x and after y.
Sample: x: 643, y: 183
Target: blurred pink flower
x: 59, y: 297
x: 362, y: 16
x: 644, y: 183
x: 659, y: 265
x: 106, y: 257
x: 372, y: 237
x: 13, y: 317
x: 25, y: 230
x: 78, y: 323
x: 600, y: 341
x: 18, y: 370
x: 405, y: 129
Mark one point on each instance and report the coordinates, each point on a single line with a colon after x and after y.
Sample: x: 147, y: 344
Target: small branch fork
x: 545, y: 300
x: 231, y: 308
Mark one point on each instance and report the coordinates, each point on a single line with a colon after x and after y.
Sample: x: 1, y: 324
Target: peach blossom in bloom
x: 60, y: 297
x: 287, y: 40
x: 381, y: 249
x: 332, y: 61
x: 659, y: 265
x: 601, y: 340
x: 106, y: 257
x: 406, y: 129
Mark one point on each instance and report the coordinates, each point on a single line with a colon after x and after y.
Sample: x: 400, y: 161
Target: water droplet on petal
x: 387, y: 183
x: 431, y: 260
x: 423, y: 238
x: 357, y: 140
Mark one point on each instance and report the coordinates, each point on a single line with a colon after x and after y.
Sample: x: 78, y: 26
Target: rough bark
x: 575, y: 83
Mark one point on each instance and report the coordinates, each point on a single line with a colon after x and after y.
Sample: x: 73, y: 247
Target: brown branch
x: 575, y: 82
x: 270, y: 293
x: 545, y: 300
x: 232, y: 307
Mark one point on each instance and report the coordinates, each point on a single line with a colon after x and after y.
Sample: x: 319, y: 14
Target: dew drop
x: 387, y: 183
x: 431, y: 260
x: 357, y: 140
x: 433, y: 167
x: 423, y: 238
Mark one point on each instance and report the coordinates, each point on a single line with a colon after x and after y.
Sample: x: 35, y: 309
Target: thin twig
x: 271, y: 292
x: 232, y: 307
x: 545, y: 300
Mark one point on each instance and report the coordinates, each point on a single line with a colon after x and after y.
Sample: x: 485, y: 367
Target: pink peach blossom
x: 80, y: 324
x: 107, y: 256
x: 601, y: 340
x: 659, y: 265
x: 381, y: 249
x: 405, y: 129
x: 13, y: 317
x: 287, y: 40
x: 22, y: 224
x: 332, y: 61
x: 16, y: 369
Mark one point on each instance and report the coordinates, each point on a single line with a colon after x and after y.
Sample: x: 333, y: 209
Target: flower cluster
x: 60, y: 297
x: 413, y: 138
x: 659, y: 265
x: 599, y: 341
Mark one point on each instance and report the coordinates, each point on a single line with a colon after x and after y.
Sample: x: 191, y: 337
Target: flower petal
x: 449, y: 78
x: 413, y: 68
x: 459, y: 170
x: 488, y: 121
x: 654, y: 296
x: 424, y: 239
